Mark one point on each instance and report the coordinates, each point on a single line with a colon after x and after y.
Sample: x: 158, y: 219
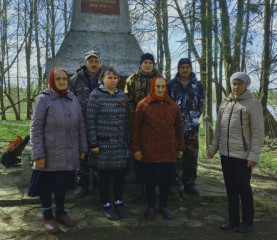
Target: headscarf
x: 152, y: 88
x: 52, y: 83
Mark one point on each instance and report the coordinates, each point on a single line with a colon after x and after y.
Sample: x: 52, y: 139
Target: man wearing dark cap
x: 189, y: 95
x: 82, y: 84
x: 137, y: 87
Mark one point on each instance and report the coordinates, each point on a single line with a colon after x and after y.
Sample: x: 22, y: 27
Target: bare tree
x: 166, y: 40
x: 4, y: 27
x: 160, y: 48
x: 270, y: 122
x: 29, y: 14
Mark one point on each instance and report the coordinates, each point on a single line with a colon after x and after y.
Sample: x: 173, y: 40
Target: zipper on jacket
x: 228, y: 132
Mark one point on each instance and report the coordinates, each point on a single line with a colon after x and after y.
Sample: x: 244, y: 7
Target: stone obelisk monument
x: 100, y: 25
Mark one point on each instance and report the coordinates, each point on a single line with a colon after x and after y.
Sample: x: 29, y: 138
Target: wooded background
x: 220, y: 37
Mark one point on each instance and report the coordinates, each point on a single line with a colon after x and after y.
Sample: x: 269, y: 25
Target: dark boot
x: 165, y: 213
x: 244, y: 228
x: 121, y: 211
x: 191, y: 190
x: 149, y: 214
x: 229, y: 225
x: 109, y: 213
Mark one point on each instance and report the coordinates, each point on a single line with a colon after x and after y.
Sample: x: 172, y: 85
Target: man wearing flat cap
x: 82, y: 83
x: 138, y: 87
x: 189, y: 95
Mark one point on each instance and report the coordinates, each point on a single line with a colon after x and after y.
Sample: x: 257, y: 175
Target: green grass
x: 10, y: 129
x: 268, y: 158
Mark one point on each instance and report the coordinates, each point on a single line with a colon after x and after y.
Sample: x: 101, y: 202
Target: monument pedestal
x: 108, y: 33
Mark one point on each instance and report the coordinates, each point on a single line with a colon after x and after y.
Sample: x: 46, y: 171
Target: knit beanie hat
x: 184, y: 61
x: 51, y: 80
x: 146, y: 56
x: 241, y: 76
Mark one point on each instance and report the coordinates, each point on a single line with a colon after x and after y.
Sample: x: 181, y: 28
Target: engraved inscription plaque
x: 110, y: 7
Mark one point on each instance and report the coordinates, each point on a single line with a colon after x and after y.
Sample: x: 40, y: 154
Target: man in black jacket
x: 82, y: 84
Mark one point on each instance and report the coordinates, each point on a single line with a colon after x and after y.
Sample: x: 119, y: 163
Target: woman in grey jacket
x: 58, y: 141
x: 239, y: 137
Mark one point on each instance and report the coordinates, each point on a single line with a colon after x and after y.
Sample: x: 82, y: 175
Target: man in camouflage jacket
x: 82, y: 84
x: 138, y: 87
x: 189, y: 95
x: 138, y: 84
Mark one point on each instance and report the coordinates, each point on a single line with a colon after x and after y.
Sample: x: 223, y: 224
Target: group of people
x: 88, y: 124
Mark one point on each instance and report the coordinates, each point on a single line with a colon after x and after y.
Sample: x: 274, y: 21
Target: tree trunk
x: 202, y: 62
x: 266, y: 65
x: 28, y: 47
x: 226, y: 42
x: 160, y: 50
x: 238, y: 36
x: 165, y: 40
x: 209, y: 62
x: 215, y: 62
x: 36, y: 28
x: 3, y: 32
x: 53, y: 29
x: 244, y: 41
x: 192, y: 24
x: 17, y: 62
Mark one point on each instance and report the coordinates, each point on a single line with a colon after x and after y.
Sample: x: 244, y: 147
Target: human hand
x: 40, y: 163
x: 95, y: 150
x: 251, y: 164
x: 138, y: 155
x: 82, y: 155
x: 210, y: 155
x: 180, y: 154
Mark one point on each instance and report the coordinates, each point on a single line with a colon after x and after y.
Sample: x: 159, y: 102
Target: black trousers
x: 151, y: 195
x: 190, y: 156
x: 237, y: 181
x: 105, y: 177
x: 83, y: 173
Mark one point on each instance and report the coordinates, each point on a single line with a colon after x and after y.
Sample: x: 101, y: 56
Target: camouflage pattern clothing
x: 82, y: 84
x: 190, y: 98
x: 137, y: 87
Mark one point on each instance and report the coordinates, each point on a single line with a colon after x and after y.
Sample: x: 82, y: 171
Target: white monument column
x: 104, y: 26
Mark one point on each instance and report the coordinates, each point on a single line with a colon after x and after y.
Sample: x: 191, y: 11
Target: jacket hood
x: 103, y: 89
x: 243, y: 96
x: 53, y: 94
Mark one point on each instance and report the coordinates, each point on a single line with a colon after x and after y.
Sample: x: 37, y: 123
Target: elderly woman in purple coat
x: 58, y: 141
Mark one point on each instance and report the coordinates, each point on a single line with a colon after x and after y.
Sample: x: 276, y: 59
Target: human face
x: 147, y: 66
x: 93, y: 65
x: 185, y: 71
x: 110, y: 81
x: 60, y: 78
x: 159, y: 87
x: 238, y: 87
